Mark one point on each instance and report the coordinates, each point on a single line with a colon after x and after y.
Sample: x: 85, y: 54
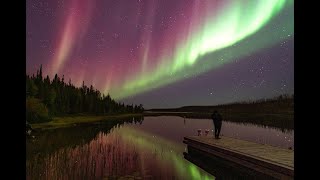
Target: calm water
x: 140, y: 148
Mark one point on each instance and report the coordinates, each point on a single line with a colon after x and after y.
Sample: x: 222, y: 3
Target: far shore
x: 66, y: 121
x: 269, y: 119
x: 279, y: 120
x: 275, y: 112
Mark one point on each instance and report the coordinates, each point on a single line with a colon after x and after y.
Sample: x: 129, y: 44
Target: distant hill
x: 276, y: 112
x: 283, y: 104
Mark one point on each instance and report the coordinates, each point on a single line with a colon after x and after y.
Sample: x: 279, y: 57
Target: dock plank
x: 267, y: 157
x: 264, y: 151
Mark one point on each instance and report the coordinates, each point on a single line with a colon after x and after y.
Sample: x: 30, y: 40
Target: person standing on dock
x: 217, y: 122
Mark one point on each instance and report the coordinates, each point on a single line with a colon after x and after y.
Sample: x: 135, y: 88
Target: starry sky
x: 164, y: 53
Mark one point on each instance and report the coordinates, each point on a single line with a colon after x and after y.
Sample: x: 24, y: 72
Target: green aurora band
x: 236, y: 32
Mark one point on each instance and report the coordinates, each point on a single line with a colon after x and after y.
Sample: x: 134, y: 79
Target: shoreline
x: 67, y: 121
x: 267, y: 119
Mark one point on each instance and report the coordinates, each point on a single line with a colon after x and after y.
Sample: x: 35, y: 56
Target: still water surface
x: 138, y: 148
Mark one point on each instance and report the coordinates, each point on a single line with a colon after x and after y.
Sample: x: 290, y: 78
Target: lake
x: 137, y: 148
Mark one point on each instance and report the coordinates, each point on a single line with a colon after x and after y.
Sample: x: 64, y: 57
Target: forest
x: 47, y: 98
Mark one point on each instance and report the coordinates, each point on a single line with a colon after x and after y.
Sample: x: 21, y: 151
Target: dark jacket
x: 217, y: 118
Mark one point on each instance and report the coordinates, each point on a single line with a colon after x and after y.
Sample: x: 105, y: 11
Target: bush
x: 36, y: 111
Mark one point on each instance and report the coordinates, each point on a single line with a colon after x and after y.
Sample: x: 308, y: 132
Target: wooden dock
x: 271, y: 161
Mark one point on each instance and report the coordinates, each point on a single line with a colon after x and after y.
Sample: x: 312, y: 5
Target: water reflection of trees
x: 278, y: 122
x: 284, y: 130
x: 80, y: 150
x: 49, y: 141
x: 123, y: 153
x: 101, y: 157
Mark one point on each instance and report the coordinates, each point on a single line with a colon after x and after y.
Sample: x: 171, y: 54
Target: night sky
x: 165, y: 53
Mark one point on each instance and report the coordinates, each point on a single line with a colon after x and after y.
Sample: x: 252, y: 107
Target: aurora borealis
x: 164, y: 53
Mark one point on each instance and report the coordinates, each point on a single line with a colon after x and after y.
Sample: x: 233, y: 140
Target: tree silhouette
x: 60, y: 98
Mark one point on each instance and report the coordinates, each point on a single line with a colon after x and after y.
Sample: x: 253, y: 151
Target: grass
x: 59, y: 122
